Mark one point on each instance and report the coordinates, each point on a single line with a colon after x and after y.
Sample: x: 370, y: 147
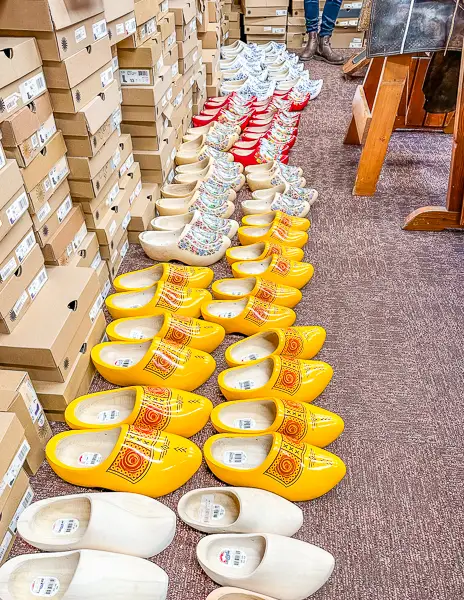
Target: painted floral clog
x: 277, y: 269
x: 262, y: 250
x: 275, y: 232
x: 279, y: 217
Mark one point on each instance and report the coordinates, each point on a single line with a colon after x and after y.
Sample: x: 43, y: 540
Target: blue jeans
x: 329, y: 16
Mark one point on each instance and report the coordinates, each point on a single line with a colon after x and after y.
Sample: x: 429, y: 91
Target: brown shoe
x: 324, y: 52
x: 311, y: 47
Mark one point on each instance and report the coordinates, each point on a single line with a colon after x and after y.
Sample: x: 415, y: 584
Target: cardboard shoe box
x: 142, y: 34
x: 115, y: 262
x: 86, y: 131
x: 55, y: 397
x: 15, y: 247
x: 48, y: 219
x: 15, y: 449
x: 27, y: 131
x: 145, y: 10
x: 141, y: 66
x: 21, y: 75
x: 143, y: 211
x: 121, y: 28
x: 20, y: 498
x: 61, y: 245
x: 113, y: 9
x: 18, y: 396
x: 86, y: 253
x: 52, y: 16
x: 20, y: 291
x: 40, y: 343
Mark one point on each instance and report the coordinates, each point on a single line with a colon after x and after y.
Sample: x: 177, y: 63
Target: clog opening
x: 133, y: 300
x: 143, y: 278
x: 255, y: 347
x: 257, y: 205
x: 123, y: 355
x: 256, y: 268
x: 30, y: 579
x: 216, y: 508
x: 236, y: 557
x: 61, y: 523
x: 236, y: 287
x: 260, y: 219
x: 110, y: 408
x: 251, y: 417
x: 227, y: 309
x: 172, y: 223
x: 179, y: 190
x: 139, y: 329
x: 247, y: 252
x: 161, y: 238
x: 173, y: 205
x: 87, y: 449
x: 249, y: 377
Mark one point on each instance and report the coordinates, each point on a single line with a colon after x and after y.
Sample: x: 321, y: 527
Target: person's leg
x: 324, y: 49
x: 312, y: 23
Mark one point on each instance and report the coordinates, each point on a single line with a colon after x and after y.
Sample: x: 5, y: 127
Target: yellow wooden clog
x: 185, y: 302
x: 136, y: 281
x: 171, y: 328
x: 145, y: 408
x: 279, y: 217
x: 153, y: 363
x: 299, y: 421
x: 230, y: 289
x: 277, y: 269
x: 262, y: 250
x: 294, y: 342
x: 269, y: 233
x: 247, y: 316
x: 287, y: 378
x: 294, y: 470
x: 124, y: 459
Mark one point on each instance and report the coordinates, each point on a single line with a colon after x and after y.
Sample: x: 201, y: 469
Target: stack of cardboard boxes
x: 265, y: 20
x: 346, y: 34
x: 232, y: 13
x: 211, y: 44
x: 296, y: 25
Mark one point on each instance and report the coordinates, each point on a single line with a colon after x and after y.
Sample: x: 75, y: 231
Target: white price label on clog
x: 233, y: 557
x: 65, y: 526
x: 235, y: 457
x: 44, y: 586
x: 107, y: 416
x: 245, y: 423
x: 89, y: 459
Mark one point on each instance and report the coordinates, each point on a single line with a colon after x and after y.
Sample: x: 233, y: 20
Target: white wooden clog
x: 265, y: 563
x: 82, y: 575
x: 113, y: 522
x: 239, y: 510
x: 230, y: 593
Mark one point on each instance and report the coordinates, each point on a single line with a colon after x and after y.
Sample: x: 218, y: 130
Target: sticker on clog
x: 107, y: 416
x: 65, y: 526
x: 137, y: 334
x: 90, y: 459
x: 226, y: 315
x: 209, y: 511
x: 235, y: 457
x: 233, y: 557
x: 45, y: 586
x: 124, y: 362
x: 248, y: 384
x: 250, y: 357
x: 246, y: 423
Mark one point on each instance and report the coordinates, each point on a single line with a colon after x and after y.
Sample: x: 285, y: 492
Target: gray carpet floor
x: 392, y: 303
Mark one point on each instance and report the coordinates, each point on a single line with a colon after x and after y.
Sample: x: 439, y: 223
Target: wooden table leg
x: 437, y: 218
x: 390, y: 90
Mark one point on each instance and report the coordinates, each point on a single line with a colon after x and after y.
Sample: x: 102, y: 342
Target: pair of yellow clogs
x: 131, y: 440
x: 274, y: 226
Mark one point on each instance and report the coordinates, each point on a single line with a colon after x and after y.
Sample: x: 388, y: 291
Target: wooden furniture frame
x: 391, y: 98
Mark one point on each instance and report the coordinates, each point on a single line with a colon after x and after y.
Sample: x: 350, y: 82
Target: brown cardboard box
x: 55, y: 249
x: 56, y: 396
x: 15, y: 247
x: 347, y: 39
x: 89, y: 175
x: 45, y: 189
x: 20, y: 498
x: 211, y: 60
x: 260, y: 8
x: 211, y: 38
x: 147, y: 55
x: 71, y: 100
x: 167, y: 26
x: 18, y: 396
x: 42, y: 339
x: 68, y: 73
x: 184, y: 31
x: 95, y: 209
x: 136, y: 66
x: 43, y: 163
x: 143, y: 209
x: 113, y: 9
x: 14, y: 452
x: 86, y: 131
x: 13, y: 211
x: 48, y: 219
x: 143, y: 33
x: 184, y: 11
x: 186, y: 46
x: 117, y: 257
x: 18, y: 57
x: 18, y: 94
x: 10, y: 181
x: 103, y: 276
x: 20, y: 291
x: 185, y: 64
x: 46, y: 15
x: 295, y: 40
x: 86, y: 253
x: 27, y: 131
x: 121, y: 28
x: 163, y: 9
x: 134, y: 98
x: 145, y: 10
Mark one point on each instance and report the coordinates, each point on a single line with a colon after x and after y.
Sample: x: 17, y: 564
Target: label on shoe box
x: 17, y: 209
x: 25, y: 502
x: 96, y: 261
x: 124, y: 249
x: 107, y: 76
x: 8, y: 269
x: 15, y: 467
x: 58, y: 172
x: 131, y: 26
x: 126, y: 166
x: 32, y: 87
x: 5, y: 544
x: 281, y: 13
x: 37, y: 283
x: 80, y: 34
x: 126, y: 221
x: 96, y: 307
x: 17, y: 308
x: 112, y: 195
x: 99, y: 30
x: 46, y: 132
x: 45, y: 586
x: 25, y: 246
x: 135, y: 77
x: 106, y: 289
x: 64, y: 209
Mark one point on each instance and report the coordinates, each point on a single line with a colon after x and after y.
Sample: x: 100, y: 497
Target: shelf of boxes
x: 265, y: 20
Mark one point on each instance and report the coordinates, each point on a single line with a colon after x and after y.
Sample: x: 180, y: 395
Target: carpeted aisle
x: 392, y: 303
